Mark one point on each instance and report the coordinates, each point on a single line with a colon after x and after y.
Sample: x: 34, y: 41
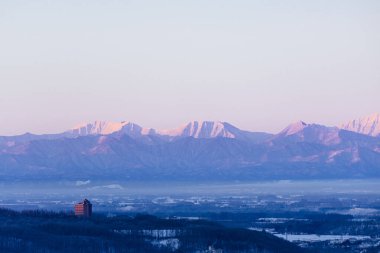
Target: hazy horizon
x: 258, y: 65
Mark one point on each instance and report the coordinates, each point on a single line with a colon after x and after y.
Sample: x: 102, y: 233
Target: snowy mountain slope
x: 212, y: 129
x: 124, y: 157
x: 311, y: 133
x: 369, y: 125
x: 194, y: 129
x: 197, y: 150
x: 199, y: 129
x: 106, y: 128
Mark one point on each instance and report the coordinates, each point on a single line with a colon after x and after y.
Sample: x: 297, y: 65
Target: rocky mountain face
x: 195, y: 151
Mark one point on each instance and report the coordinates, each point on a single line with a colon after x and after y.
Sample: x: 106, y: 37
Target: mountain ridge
x: 368, y: 125
x: 196, y: 129
x: 199, y: 150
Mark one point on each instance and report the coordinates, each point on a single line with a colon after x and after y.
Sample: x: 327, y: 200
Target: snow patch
x: 110, y: 186
x: 81, y: 183
x: 126, y: 208
x: 319, y: 238
x: 173, y: 243
x: 294, y: 128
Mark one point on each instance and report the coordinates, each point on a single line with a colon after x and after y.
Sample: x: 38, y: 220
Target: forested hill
x: 39, y: 231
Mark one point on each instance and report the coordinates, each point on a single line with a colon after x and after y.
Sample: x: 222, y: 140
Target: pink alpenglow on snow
x: 369, y: 125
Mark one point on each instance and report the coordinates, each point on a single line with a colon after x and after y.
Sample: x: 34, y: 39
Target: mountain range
x: 199, y: 150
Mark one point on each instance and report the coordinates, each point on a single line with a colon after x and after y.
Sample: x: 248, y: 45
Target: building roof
x: 85, y: 201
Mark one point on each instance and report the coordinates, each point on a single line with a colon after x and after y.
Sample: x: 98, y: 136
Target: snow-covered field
x: 318, y: 238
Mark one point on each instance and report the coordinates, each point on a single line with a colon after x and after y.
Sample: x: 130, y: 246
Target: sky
x: 259, y: 65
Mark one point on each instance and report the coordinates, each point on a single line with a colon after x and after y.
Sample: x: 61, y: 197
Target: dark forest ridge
x: 33, y: 231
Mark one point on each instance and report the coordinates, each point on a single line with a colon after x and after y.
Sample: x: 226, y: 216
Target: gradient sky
x: 256, y: 64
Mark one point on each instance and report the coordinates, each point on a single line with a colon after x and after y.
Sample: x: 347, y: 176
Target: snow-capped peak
x: 369, y: 125
x: 195, y: 129
x: 201, y: 129
x: 106, y: 127
x: 293, y: 128
x: 312, y: 133
x: 97, y: 127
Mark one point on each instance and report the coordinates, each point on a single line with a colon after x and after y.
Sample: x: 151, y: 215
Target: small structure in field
x: 83, y: 208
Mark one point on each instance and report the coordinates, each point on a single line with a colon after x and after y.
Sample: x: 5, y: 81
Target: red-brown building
x: 83, y: 208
